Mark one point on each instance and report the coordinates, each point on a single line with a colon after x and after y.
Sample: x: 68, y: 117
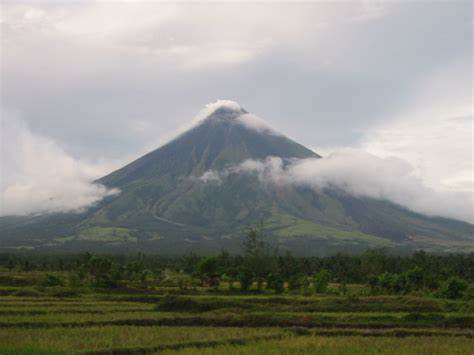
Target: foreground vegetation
x: 259, y: 302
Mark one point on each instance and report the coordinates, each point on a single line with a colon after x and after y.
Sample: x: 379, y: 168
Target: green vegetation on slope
x: 286, y: 226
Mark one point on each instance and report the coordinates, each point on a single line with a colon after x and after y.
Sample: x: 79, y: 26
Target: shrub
x: 275, y: 282
x: 469, y: 294
x: 342, y: 288
x: 415, y: 278
x: 207, y: 271
x: 454, y: 288
x: 52, y: 280
x: 245, y: 278
x: 321, y: 281
x: 305, y: 286
x: 294, y: 283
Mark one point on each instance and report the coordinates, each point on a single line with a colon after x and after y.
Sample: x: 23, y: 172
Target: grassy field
x: 58, y: 320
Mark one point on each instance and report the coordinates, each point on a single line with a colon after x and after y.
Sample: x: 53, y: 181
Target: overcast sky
x: 99, y: 83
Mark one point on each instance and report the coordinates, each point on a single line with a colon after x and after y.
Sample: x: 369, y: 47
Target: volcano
x: 172, y: 200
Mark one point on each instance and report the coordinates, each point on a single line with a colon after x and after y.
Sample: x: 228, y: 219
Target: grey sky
x: 106, y: 81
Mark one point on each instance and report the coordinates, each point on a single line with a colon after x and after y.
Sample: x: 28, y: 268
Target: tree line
x: 259, y: 267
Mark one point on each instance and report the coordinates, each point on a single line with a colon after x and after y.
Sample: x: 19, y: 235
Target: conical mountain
x: 166, y: 205
x: 227, y: 135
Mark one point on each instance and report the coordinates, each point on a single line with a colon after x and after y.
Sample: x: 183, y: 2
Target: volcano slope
x: 191, y: 194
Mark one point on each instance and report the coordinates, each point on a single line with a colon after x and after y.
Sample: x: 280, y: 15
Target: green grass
x: 204, y: 323
x: 116, y: 337
x: 285, y: 226
x: 343, y: 345
x: 102, y: 234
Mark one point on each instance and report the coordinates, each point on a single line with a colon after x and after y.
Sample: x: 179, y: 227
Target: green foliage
x: 104, y: 272
x: 321, y: 281
x: 52, y: 280
x: 276, y: 282
x: 305, y: 286
x: 295, y: 283
x: 245, y: 278
x: 207, y: 270
x: 258, y: 258
x: 342, y: 288
x: 415, y: 278
x: 454, y: 288
x: 383, y: 273
x: 393, y: 283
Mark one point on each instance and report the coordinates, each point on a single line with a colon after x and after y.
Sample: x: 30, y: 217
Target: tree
x: 373, y: 283
x: 257, y: 256
x: 343, y: 288
x: 276, y: 282
x: 103, y: 271
x: 454, y: 288
x: 415, y: 278
x: 207, y: 271
x: 10, y: 264
x: 245, y: 278
x: 294, y: 283
x: 52, y: 280
x: 305, y: 285
x: 321, y: 281
x: 385, y: 282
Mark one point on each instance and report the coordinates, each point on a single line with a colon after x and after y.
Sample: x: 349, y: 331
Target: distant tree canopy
x: 260, y: 267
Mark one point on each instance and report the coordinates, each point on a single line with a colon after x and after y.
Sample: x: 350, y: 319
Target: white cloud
x: 256, y: 123
x: 249, y: 120
x: 211, y: 176
x: 195, y: 58
x: 212, y: 107
x: 434, y: 133
x: 362, y: 174
x: 37, y: 176
x: 440, y: 149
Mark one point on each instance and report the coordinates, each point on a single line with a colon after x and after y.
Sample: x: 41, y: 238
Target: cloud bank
x: 359, y: 174
x: 37, y: 176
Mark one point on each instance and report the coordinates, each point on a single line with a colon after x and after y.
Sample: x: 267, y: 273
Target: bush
x: 305, y: 286
x: 52, y: 281
x: 469, y: 294
x: 454, y: 288
x: 245, y: 278
x: 415, y: 278
x: 321, y: 281
x: 294, y: 283
x: 207, y: 271
x: 342, y: 288
x: 275, y: 282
